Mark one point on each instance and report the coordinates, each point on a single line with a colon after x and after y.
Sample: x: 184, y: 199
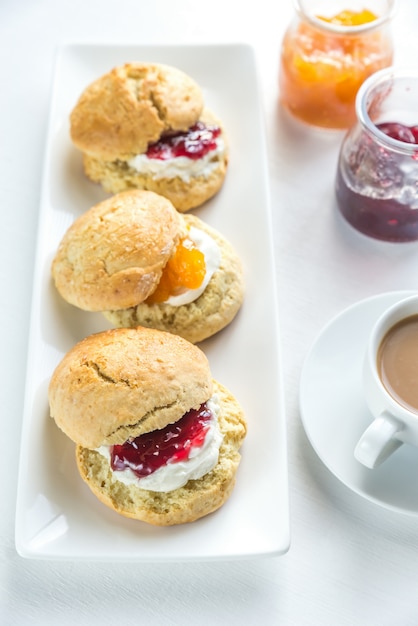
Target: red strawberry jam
x: 195, y: 143
x: 374, y: 205
x: 407, y: 134
x: 147, y: 453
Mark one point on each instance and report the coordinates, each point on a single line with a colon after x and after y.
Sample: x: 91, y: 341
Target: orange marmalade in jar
x: 327, y: 52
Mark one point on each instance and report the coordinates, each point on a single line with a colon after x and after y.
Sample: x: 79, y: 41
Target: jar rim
x: 378, y: 80
x: 340, y: 29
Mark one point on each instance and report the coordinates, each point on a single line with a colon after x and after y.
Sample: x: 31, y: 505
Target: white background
x: 350, y: 562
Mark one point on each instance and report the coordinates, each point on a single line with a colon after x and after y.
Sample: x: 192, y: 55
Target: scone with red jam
x: 157, y: 439
x: 145, y: 126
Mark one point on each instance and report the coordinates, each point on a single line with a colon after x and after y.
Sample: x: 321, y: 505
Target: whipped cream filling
x: 172, y: 476
x: 179, y: 167
x: 212, y: 254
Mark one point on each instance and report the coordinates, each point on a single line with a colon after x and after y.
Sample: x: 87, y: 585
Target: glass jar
x: 377, y: 176
x: 327, y: 52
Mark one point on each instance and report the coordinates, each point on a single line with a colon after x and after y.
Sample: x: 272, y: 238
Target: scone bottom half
x: 115, y: 257
x: 116, y: 385
x: 132, y: 125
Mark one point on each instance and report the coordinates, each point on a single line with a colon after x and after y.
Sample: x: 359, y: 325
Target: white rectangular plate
x: 57, y: 517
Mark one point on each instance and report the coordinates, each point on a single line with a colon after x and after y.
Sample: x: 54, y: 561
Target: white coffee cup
x: 395, y: 415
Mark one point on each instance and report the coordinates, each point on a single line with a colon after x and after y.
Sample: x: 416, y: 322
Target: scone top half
x: 122, y: 383
x: 113, y: 255
x: 125, y: 110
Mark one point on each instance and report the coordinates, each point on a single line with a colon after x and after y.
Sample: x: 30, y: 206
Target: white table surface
x: 350, y: 562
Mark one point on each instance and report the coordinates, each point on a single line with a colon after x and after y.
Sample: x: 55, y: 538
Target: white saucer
x: 334, y: 412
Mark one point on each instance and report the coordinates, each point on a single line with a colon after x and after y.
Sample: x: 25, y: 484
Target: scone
x: 145, y: 126
x: 157, y: 438
x: 134, y: 258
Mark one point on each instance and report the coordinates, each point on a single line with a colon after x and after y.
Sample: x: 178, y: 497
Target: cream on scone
x: 134, y: 258
x: 157, y: 438
x: 144, y: 126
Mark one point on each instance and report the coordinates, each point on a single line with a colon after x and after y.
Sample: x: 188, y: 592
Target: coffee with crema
x: 397, y: 362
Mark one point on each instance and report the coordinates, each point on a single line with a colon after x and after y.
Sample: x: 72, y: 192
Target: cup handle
x: 378, y: 441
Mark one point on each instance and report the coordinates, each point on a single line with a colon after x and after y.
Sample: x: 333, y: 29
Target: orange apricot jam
x: 185, y: 269
x: 350, y: 18
x: 321, y: 69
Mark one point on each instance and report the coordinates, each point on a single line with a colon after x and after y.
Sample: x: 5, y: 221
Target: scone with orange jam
x: 134, y: 258
x: 145, y: 126
x: 157, y: 439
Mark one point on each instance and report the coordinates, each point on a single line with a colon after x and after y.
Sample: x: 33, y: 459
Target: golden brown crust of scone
x: 113, y: 255
x: 120, y: 113
x: 124, y: 382
x: 117, y: 175
x: 196, y: 499
x: 213, y: 310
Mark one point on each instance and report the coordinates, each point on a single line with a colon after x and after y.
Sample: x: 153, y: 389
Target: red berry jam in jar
x: 377, y: 178
x: 147, y: 453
